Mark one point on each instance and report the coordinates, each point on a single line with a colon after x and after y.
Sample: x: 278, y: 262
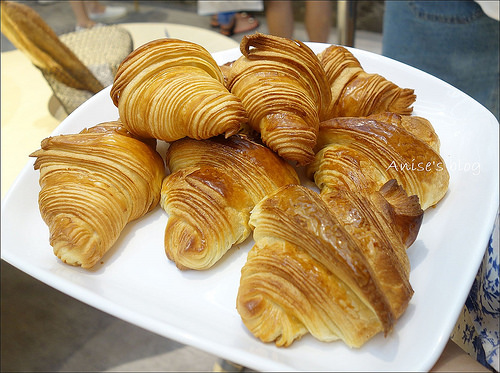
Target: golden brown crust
x: 92, y: 184
x: 403, y: 212
x: 380, y: 228
x: 213, y: 186
x: 307, y: 273
x: 419, y: 127
x: 168, y: 89
x: 359, y: 153
x: 357, y: 93
x: 285, y: 92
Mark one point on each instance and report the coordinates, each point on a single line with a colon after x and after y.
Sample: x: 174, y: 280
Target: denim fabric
x: 225, y: 18
x: 452, y: 40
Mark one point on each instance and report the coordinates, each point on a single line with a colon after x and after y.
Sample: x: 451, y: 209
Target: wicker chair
x: 76, y: 65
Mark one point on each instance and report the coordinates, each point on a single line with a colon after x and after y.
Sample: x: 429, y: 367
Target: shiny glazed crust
x: 357, y: 93
x: 359, y: 153
x: 306, y: 273
x: 333, y: 265
x: 213, y: 186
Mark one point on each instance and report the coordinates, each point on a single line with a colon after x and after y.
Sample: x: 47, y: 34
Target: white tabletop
x: 210, y: 40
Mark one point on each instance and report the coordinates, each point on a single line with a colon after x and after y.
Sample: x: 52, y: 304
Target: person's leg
x: 279, y: 16
x: 318, y: 19
x: 94, y: 7
x: 100, y: 12
x: 82, y: 19
x: 452, y: 40
x: 226, y: 22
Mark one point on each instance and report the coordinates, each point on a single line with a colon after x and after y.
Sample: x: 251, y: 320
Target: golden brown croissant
x: 285, y: 92
x: 309, y: 273
x: 213, y: 186
x: 357, y: 93
x: 358, y: 153
x: 168, y: 89
x: 383, y: 224
x: 92, y: 184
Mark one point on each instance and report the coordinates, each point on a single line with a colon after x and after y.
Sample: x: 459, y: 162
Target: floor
x: 46, y: 330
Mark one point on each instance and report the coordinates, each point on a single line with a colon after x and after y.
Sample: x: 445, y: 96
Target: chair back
x: 31, y: 34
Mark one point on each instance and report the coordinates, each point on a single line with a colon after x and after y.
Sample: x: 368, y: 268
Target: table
x: 30, y: 113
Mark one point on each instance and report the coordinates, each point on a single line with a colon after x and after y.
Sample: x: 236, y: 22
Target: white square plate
x: 137, y: 283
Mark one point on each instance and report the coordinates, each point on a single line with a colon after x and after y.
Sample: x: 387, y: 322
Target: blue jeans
x: 225, y: 18
x: 452, y: 40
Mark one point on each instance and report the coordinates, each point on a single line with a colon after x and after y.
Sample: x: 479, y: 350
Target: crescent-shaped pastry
x: 213, y: 186
x: 285, y: 92
x: 306, y: 273
x: 358, y: 153
x: 168, y: 89
x: 356, y: 93
x: 92, y: 184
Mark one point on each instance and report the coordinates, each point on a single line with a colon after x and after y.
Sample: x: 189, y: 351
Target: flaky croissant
x: 359, y: 153
x: 285, y: 92
x: 213, y: 186
x: 309, y: 273
x: 92, y: 184
x: 357, y: 93
x: 168, y: 89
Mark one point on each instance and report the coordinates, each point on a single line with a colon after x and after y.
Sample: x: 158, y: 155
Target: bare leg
x: 279, y: 16
x: 94, y: 6
x: 81, y: 16
x: 318, y: 19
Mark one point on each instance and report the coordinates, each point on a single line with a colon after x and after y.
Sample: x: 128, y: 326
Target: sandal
x: 228, y: 30
x: 241, y: 22
x: 214, y: 22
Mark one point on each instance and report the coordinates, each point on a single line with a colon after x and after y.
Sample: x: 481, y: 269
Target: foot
x: 88, y: 25
x: 214, y: 22
x: 108, y: 13
x: 245, y: 22
x: 241, y: 22
x: 85, y: 25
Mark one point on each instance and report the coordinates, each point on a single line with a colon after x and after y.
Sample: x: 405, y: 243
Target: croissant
x: 168, y: 89
x: 359, y: 153
x: 310, y: 271
x: 285, y: 92
x: 213, y: 186
x: 356, y: 93
x: 92, y: 184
